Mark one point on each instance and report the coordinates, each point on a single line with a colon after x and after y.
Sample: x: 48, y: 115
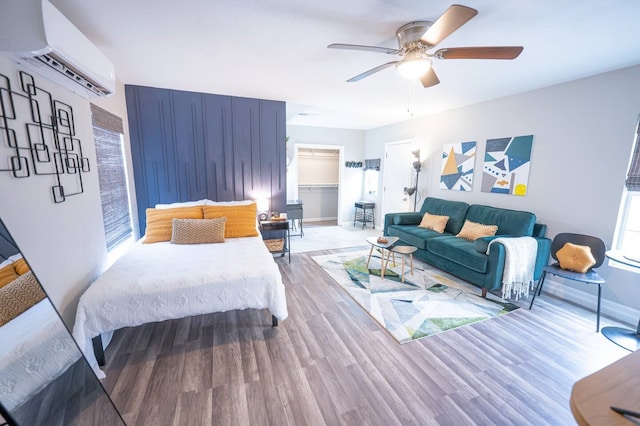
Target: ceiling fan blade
x: 429, y: 78
x: 372, y: 71
x: 365, y: 48
x: 496, y: 52
x: 452, y: 19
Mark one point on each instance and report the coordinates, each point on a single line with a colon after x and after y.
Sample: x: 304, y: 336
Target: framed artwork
x: 458, y: 161
x: 506, y: 165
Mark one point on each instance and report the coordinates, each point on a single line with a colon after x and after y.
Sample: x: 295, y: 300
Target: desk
x: 294, y: 214
x: 616, y: 384
x: 624, y: 337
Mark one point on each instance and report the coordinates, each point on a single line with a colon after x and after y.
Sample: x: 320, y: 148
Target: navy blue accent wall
x: 188, y: 146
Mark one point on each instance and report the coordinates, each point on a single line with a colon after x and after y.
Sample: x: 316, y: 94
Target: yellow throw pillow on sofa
x: 160, y: 222
x: 576, y: 258
x: 472, y: 231
x: 7, y: 274
x: 434, y: 222
x: 241, y: 219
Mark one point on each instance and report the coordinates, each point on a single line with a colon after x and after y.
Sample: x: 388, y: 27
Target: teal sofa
x: 468, y: 259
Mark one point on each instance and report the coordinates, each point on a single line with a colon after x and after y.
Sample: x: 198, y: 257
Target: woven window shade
x: 633, y: 174
x: 107, y: 131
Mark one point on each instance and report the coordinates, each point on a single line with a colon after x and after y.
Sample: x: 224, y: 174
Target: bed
x: 168, y: 280
x: 41, y: 350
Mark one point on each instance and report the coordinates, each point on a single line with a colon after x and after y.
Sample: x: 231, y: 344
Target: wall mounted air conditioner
x: 37, y: 36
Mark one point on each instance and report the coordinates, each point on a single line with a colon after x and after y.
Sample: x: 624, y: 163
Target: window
x: 628, y: 228
x: 114, y: 195
x: 371, y: 176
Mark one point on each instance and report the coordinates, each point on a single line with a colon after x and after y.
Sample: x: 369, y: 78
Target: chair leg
x: 538, y: 289
x: 598, y: 311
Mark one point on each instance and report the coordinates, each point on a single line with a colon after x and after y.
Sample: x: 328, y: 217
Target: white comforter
x: 156, y: 282
x: 35, y: 348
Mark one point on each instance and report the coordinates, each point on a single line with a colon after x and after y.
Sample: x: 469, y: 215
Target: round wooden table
x: 624, y: 337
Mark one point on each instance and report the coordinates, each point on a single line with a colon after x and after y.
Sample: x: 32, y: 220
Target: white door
x: 398, y: 174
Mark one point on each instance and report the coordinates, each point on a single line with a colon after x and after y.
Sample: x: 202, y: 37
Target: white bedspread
x: 35, y: 349
x: 156, y: 282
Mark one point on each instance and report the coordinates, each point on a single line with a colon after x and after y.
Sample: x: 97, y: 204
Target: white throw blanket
x: 519, y: 265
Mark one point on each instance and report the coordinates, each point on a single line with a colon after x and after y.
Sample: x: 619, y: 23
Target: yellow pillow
x: 159, y: 222
x: 7, y: 274
x: 18, y: 296
x: 198, y: 231
x: 434, y: 222
x: 241, y: 220
x: 472, y: 231
x: 576, y: 258
x: 21, y: 266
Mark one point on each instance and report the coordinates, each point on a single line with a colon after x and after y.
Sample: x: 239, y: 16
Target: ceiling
x: 277, y: 49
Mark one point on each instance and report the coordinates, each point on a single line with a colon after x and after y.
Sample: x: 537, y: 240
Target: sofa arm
x: 542, y: 254
x: 404, y: 218
x: 542, y: 258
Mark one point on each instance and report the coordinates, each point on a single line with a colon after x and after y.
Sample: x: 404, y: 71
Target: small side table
x: 623, y: 337
x: 281, y: 226
x: 403, y: 251
x: 364, y: 216
x: 382, y: 246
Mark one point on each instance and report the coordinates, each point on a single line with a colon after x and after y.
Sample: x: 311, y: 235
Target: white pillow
x: 14, y: 257
x: 9, y: 261
x: 229, y: 203
x: 184, y: 204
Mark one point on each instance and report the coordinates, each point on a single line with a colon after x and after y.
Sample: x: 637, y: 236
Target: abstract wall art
x: 457, y: 166
x: 506, y: 165
x: 38, y: 137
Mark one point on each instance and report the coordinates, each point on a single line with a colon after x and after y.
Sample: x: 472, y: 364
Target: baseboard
x: 589, y: 301
x: 319, y: 219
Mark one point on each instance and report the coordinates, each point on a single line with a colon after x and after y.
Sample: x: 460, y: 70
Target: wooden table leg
x: 402, y: 280
x: 384, y: 265
x: 411, y: 261
x: 369, y: 260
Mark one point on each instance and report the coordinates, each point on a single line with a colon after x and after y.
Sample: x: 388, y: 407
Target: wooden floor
x: 330, y: 363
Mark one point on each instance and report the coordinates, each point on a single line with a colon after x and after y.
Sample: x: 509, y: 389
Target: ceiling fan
x: 415, y: 39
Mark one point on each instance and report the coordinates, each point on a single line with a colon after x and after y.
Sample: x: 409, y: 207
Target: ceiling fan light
x: 412, y: 67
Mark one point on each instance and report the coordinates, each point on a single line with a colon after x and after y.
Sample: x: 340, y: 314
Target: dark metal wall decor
x: 48, y: 145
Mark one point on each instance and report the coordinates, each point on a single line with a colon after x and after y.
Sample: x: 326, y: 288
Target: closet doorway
x: 318, y: 182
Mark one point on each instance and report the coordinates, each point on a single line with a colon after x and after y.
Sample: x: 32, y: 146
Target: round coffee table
x: 382, y: 246
x: 403, y: 251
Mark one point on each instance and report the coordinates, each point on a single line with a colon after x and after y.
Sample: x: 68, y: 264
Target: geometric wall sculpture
x: 458, y: 162
x: 506, y: 165
x: 37, y: 137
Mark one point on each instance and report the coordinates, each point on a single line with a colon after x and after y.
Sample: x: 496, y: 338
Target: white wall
x: 352, y: 178
x: 63, y: 243
x: 583, y: 135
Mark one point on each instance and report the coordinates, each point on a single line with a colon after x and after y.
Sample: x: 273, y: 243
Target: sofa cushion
x: 434, y: 222
x: 515, y: 223
x: 456, y: 211
x: 459, y: 251
x: 412, y: 235
x: 472, y: 231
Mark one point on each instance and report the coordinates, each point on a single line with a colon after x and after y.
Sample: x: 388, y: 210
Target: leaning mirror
x: 44, y: 380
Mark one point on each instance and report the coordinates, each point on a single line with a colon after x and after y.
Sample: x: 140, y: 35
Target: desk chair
x: 598, y: 249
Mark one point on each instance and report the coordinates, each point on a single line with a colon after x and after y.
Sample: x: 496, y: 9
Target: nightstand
x: 280, y: 245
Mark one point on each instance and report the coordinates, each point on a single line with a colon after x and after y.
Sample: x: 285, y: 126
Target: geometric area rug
x: 428, y: 302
